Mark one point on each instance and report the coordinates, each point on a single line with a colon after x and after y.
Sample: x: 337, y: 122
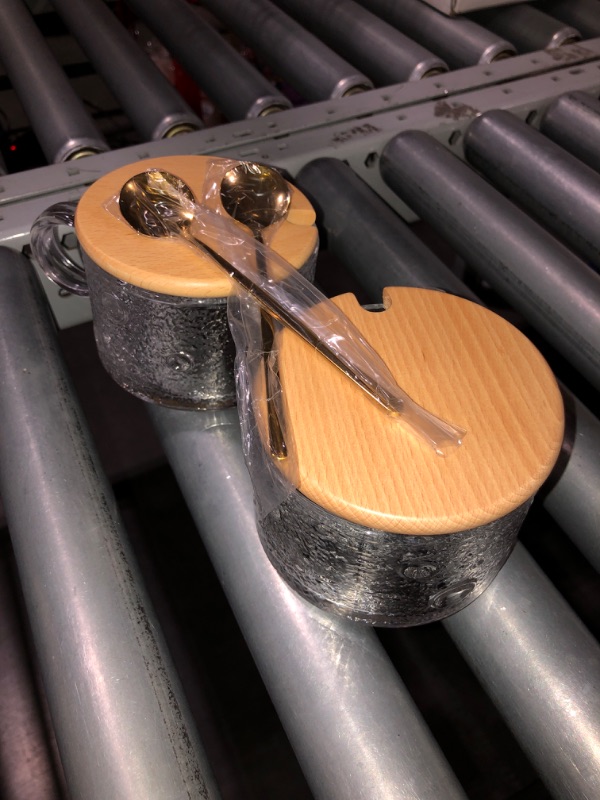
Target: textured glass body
x: 176, y: 351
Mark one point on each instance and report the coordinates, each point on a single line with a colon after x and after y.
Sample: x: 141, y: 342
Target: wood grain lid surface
x: 460, y: 361
x: 170, y: 266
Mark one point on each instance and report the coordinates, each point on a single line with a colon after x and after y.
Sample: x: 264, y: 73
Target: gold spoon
x: 157, y: 203
x: 258, y: 196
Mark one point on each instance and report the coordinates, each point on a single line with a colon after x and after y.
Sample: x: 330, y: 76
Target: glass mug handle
x: 50, y: 253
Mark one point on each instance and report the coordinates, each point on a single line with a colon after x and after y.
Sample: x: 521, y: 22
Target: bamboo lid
x: 460, y: 361
x: 170, y: 266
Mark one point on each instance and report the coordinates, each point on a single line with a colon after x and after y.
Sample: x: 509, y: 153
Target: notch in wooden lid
x: 460, y: 361
x: 170, y: 266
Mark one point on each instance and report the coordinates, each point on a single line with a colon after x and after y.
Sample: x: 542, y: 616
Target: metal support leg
x: 549, y: 285
x: 541, y: 667
x: 153, y: 105
x: 349, y: 718
x: 295, y: 54
x: 550, y: 183
x: 573, y: 122
x: 237, y: 88
x: 122, y: 724
x: 380, y: 51
x: 61, y: 124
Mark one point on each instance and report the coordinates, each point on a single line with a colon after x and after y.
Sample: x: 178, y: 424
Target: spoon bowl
x: 255, y: 195
x: 157, y: 203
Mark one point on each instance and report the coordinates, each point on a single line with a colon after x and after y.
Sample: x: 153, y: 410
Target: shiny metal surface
x: 121, y: 721
x: 148, y: 99
x: 573, y: 122
x: 526, y: 27
x: 556, y: 291
x: 235, y: 86
x: 541, y: 667
x: 458, y: 40
x: 372, y: 241
x: 255, y: 195
x: 574, y: 499
x: 582, y: 14
x: 347, y: 714
x: 539, y: 175
x: 384, y: 54
x: 298, y: 57
x: 27, y: 767
x: 57, y: 115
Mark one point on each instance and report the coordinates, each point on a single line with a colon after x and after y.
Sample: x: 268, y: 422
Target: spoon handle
x: 317, y: 322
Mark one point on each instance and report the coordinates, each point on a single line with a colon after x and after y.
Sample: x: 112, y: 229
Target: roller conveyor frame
x: 354, y: 129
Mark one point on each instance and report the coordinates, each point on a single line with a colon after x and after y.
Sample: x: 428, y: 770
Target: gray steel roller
x: 237, y: 88
x: 582, y: 14
x: 370, y: 239
x: 556, y: 291
x: 550, y: 183
x: 58, y: 117
x: 541, y: 667
x: 573, y: 122
x: 376, y: 48
x: 349, y: 718
x: 153, y: 105
x: 526, y: 27
x: 295, y: 54
x: 121, y: 721
x: 380, y: 250
x: 458, y: 40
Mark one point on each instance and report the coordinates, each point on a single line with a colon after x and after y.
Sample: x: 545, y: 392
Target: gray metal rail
x: 351, y: 721
x: 58, y: 117
x: 153, y: 105
x: 573, y: 122
x: 542, y: 177
x: 378, y: 49
x: 458, y: 40
x: 541, y: 667
x: 526, y: 27
x: 582, y: 14
x: 295, y: 54
x: 237, y: 88
x: 121, y: 721
x: 556, y: 291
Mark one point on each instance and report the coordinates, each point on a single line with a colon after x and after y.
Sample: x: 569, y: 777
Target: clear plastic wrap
x: 157, y: 203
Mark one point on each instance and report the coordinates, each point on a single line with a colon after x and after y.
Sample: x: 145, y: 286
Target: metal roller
x: 239, y: 90
x: 553, y: 185
x: 458, y: 40
x: 153, y: 105
x: 573, y: 121
x: 295, y: 54
x: 526, y: 27
x: 349, y: 718
x: 380, y: 250
x: 556, y: 291
x: 573, y: 499
x: 582, y: 14
x: 541, y: 667
x: 58, y: 117
x: 121, y: 721
x: 378, y: 49
x: 362, y: 230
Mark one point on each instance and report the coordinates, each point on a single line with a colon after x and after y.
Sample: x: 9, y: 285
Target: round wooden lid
x: 458, y: 360
x: 170, y: 266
